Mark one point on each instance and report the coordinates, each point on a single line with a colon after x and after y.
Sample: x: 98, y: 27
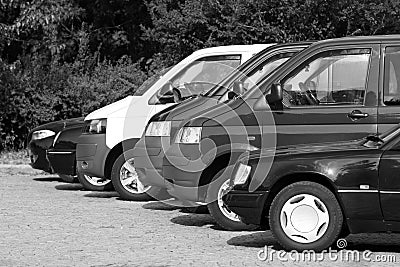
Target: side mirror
x: 276, y: 94
x: 163, y: 96
x: 237, y: 89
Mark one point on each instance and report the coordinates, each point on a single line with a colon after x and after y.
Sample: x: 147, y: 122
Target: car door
x: 389, y: 183
x: 330, y: 96
x: 389, y: 104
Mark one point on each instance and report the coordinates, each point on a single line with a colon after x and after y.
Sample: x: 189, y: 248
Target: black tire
x: 127, y: 193
x: 328, y: 199
x: 216, y: 210
x: 68, y: 178
x: 84, y: 180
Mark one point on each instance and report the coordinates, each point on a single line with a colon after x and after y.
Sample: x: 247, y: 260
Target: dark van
x: 335, y: 90
x: 149, y: 151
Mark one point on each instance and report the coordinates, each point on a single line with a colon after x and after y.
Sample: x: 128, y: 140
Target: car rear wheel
x: 126, y: 180
x: 224, y: 217
x: 95, y: 183
x: 305, y: 216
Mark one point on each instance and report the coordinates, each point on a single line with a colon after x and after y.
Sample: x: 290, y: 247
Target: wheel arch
x: 115, y: 152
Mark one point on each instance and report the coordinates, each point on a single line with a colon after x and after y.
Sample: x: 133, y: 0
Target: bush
x: 39, y: 92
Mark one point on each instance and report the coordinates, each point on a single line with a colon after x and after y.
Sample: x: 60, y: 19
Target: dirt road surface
x: 45, y: 222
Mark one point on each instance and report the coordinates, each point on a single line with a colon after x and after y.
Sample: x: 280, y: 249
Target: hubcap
x: 97, y: 181
x: 223, y: 190
x: 304, y: 218
x: 130, y: 179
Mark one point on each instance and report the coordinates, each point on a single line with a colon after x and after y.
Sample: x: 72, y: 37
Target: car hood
x: 57, y: 126
x: 120, y: 106
x: 186, y: 109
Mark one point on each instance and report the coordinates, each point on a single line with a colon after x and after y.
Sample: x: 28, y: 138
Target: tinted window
x: 391, y: 91
x: 329, y: 78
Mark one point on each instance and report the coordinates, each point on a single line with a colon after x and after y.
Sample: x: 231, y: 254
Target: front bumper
x: 62, y: 161
x: 37, y: 153
x: 91, y: 154
x: 148, y: 158
x: 183, y: 175
x: 249, y: 206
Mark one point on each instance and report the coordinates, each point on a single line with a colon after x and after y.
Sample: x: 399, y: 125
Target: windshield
x: 251, y: 77
x: 151, y: 81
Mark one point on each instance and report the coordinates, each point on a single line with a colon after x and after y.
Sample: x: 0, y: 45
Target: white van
x: 116, y: 128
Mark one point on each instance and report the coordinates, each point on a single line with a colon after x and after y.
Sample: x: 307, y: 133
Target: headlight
x: 159, y: 128
x: 96, y: 126
x: 42, y: 134
x: 189, y: 135
x: 242, y: 174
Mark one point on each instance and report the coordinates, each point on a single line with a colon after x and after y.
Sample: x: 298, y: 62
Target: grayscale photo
x: 199, y: 133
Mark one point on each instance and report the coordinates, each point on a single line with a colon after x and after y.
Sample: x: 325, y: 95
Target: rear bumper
x: 249, y: 206
x: 91, y: 154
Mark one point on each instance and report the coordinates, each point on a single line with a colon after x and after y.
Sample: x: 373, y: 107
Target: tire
x: 315, y: 221
x: 224, y: 217
x: 126, y: 180
x: 68, y: 178
x: 94, y: 183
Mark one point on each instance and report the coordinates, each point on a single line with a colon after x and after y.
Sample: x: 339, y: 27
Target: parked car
x: 41, y: 139
x: 149, y: 150
x: 314, y: 193
x: 335, y: 90
x: 113, y: 130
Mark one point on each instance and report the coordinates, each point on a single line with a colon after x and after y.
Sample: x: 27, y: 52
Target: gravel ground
x: 45, y: 222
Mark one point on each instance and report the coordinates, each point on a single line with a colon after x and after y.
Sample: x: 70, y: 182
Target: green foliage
x: 64, y: 58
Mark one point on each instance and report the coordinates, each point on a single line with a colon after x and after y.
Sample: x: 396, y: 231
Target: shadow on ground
x: 102, y: 194
x: 254, y: 240
x: 48, y: 179
x: 389, y: 243
x: 69, y: 187
x: 158, y: 205
x: 198, y: 220
x: 374, y: 242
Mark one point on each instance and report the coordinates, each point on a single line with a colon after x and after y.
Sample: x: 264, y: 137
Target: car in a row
x: 272, y: 145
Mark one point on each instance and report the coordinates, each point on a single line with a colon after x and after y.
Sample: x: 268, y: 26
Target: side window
x: 337, y: 77
x: 391, y: 90
x: 204, y: 73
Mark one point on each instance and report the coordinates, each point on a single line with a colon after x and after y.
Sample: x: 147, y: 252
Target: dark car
x: 315, y: 193
x: 334, y: 90
x: 149, y: 151
x: 41, y: 140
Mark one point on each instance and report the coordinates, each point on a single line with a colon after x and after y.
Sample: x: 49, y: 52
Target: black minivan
x: 149, y: 151
x: 335, y: 90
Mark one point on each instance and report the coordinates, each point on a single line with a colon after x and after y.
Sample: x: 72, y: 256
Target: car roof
x: 361, y: 39
x: 254, y: 48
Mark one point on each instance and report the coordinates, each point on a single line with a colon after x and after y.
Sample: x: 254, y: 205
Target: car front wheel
x: 92, y: 183
x: 126, y: 180
x: 224, y: 217
x: 305, y: 216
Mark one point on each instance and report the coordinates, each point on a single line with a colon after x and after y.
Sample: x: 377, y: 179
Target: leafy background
x: 65, y: 58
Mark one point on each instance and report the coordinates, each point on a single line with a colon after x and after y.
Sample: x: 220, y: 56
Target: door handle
x: 357, y: 114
